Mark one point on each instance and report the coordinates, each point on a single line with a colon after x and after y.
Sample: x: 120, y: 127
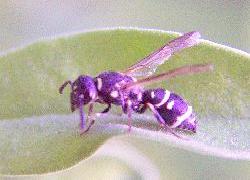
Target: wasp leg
x: 129, y: 112
x: 90, y: 112
x: 89, y: 126
x: 127, y: 109
x: 161, y: 120
x: 82, y: 118
x: 92, y: 121
x: 142, y: 110
x: 106, y: 109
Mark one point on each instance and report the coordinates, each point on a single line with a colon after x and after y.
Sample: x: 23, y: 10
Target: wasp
x: 125, y: 90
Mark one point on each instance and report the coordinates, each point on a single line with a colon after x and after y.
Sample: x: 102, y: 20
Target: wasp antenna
x: 64, y: 85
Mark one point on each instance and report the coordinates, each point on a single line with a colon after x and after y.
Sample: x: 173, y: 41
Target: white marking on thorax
x: 170, y: 105
x: 152, y: 94
x: 114, y: 94
x: 81, y: 96
x: 92, y: 94
x: 183, y: 117
x: 117, y: 85
x: 139, y: 96
x: 165, y: 99
x: 99, y: 84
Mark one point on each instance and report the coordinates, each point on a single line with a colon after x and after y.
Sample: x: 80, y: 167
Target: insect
x: 123, y: 89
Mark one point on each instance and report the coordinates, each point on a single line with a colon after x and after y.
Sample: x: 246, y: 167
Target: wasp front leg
x: 89, y: 118
x: 82, y: 117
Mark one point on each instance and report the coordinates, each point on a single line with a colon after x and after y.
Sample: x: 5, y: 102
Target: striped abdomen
x: 172, y: 108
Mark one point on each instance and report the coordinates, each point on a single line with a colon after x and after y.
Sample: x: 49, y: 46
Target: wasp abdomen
x: 172, y: 108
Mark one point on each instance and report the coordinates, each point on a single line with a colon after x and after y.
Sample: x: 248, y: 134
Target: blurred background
x: 23, y: 21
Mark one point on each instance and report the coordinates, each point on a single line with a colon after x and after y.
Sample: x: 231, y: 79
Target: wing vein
x: 184, y: 70
x: 149, y: 64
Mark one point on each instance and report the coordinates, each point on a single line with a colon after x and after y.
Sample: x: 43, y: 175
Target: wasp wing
x: 149, y: 64
x: 184, y: 70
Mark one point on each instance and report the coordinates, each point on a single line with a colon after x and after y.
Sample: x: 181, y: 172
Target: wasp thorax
x: 83, y: 91
x: 109, y: 86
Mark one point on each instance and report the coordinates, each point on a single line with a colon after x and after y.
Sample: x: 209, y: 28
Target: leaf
x: 39, y: 137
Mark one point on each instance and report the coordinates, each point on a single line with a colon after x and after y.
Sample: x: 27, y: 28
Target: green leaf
x: 39, y: 138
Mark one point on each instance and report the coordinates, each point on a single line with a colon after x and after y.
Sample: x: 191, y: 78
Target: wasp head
x: 83, y: 90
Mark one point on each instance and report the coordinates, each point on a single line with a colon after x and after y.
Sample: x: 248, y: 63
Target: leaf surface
x: 39, y: 137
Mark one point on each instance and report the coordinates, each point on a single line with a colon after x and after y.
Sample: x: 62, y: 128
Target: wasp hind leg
x: 161, y: 120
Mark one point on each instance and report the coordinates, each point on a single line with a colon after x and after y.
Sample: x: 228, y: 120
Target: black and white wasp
x: 123, y: 89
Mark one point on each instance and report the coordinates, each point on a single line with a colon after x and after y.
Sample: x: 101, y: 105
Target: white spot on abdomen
x: 170, y: 105
x: 99, y: 84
